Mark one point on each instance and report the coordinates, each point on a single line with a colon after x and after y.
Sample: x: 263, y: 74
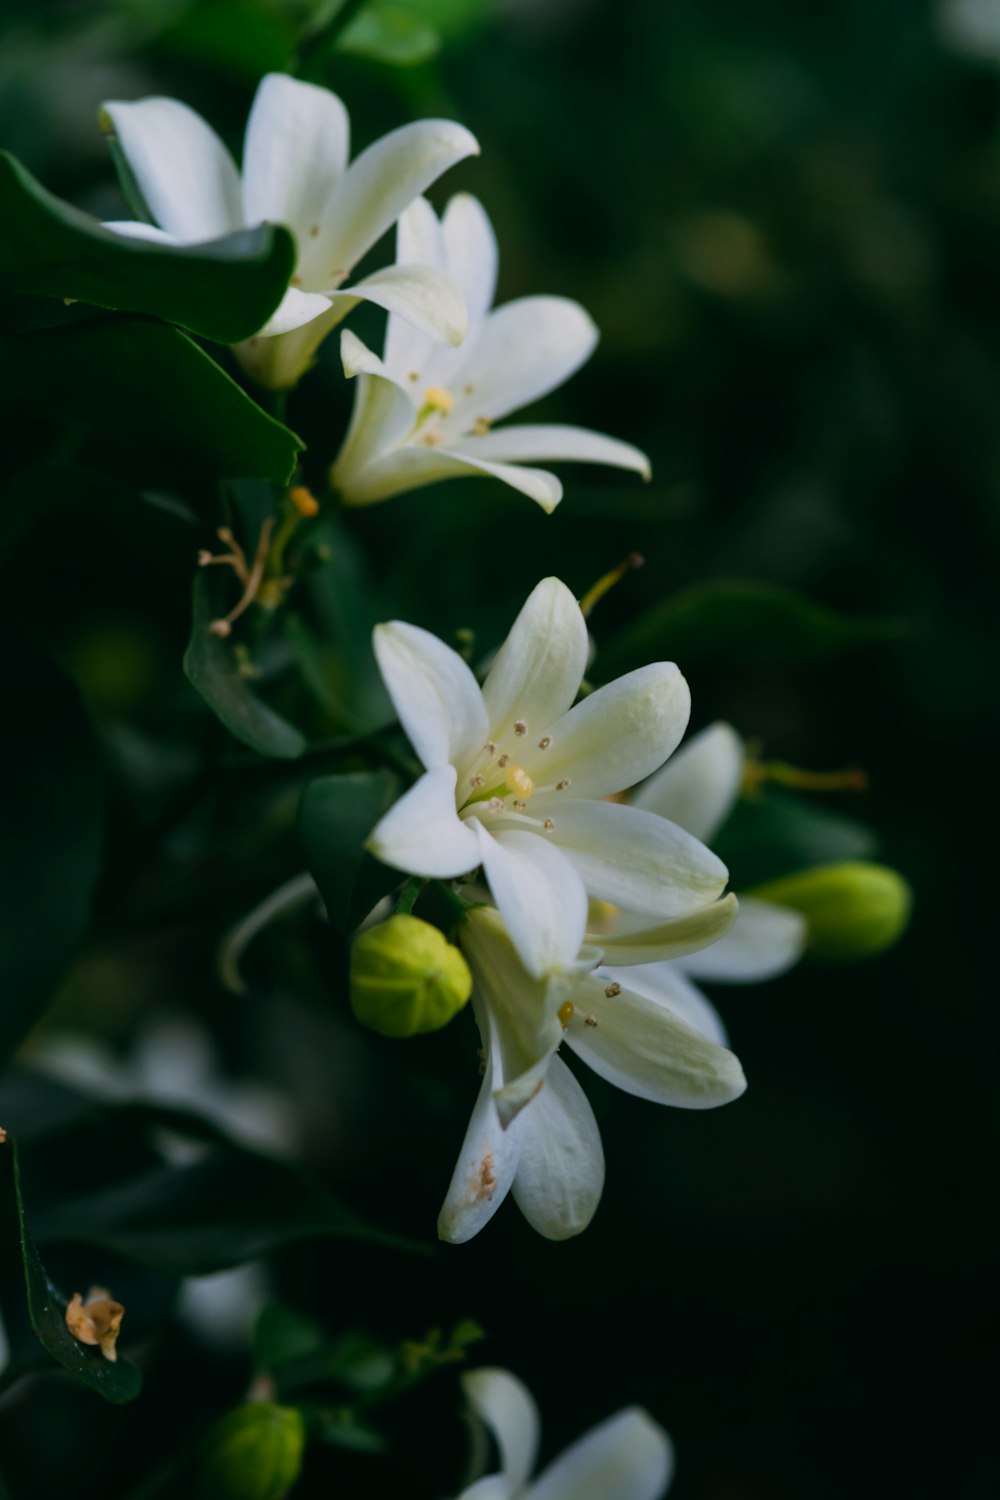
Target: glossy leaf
x: 225, y: 289
x: 336, y: 815
x: 51, y: 834
x: 136, y: 379
x: 119, y: 1381
x: 213, y: 665
x: 758, y: 622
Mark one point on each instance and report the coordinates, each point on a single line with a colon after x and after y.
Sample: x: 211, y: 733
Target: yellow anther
x: 481, y: 427
x: 612, y: 990
x: 565, y: 1013
x: 438, y: 399
x: 518, y: 780
x: 304, y: 500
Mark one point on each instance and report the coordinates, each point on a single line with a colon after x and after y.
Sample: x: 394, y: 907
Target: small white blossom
x: 296, y: 173
x: 424, y: 413
x: 516, y: 778
x: 626, y: 1457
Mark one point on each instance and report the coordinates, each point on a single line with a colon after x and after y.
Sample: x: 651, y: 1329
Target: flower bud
x: 407, y: 978
x: 854, y: 910
x: 252, y: 1453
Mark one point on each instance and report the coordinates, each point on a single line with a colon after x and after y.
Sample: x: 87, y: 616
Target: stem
x: 407, y: 898
x: 332, y: 21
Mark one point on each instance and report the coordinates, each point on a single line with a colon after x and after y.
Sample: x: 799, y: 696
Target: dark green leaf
x: 778, y: 833
x: 336, y: 815
x: 225, y: 290
x: 213, y: 665
x: 136, y: 378
x: 756, y: 622
x: 282, y: 1335
x: 390, y: 34
x: 51, y: 834
x: 119, y: 1381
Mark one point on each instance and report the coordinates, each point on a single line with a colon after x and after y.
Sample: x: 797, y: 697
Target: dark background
x: 786, y: 222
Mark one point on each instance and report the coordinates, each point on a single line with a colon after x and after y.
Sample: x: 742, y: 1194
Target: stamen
x: 590, y: 1020
x: 490, y: 749
x: 520, y: 727
x: 414, y: 375
x: 438, y: 399
x: 520, y: 806
x: 565, y: 1013
x: 518, y: 780
x: 468, y: 388
x: 548, y: 824
x: 313, y: 231
x: 611, y: 990
x: 562, y: 785
x: 545, y: 742
x: 478, y: 780
x: 251, y: 579
x: 503, y: 760
x: 431, y: 439
x: 496, y: 804
x: 304, y: 500
x: 481, y: 426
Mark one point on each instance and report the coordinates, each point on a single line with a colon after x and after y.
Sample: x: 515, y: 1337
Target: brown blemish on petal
x: 486, y: 1182
x: 96, y: 1321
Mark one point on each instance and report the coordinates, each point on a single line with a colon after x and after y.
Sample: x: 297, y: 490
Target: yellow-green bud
x: 252, y: 1453
x: 407, y: 978
x: 854, y: 910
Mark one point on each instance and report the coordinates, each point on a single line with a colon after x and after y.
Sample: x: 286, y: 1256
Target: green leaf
x: 336, y: 815
x: 390, y: 34
x: 282, y: 1336
x: 224, y: 290
x: 134, y: 378
x: 773, y: 835
x: 213, y: 665
x: 51, y: 834
x: 755, y: 622
x: 117, y: 1382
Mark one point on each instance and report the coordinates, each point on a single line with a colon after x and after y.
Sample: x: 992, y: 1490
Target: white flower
x: 626, y: 1457
x: 697, y: 791
x: 516, y: 776
x: 296, y: 173
x: 532, y: 1131
x: 424, y: 413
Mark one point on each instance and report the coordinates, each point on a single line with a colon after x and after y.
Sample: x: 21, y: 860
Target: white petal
x: 628, y: 1457
x: 187, y: 178
x: 765, y: 941
x: 295, y: 150
x: 540, y: 895
x: 422, y: 833
x: 537, y: 671
x: 618, y: 735
x: 635, y: 942
x: 413, y: 466
x: 524, y: 350
x: 699, y: 787
x: 384, y: 179
x: 488, y: 1159
x: 508, y: 1408
x: 419, y: 242
x: 541, y: 443
x: 490, y: 1487
x: 643, y: 1047
x: 634, y: 859
x: 295, y: 310
x: 279, y: 360
x: 666, y: 984
x: 138, y: 231
x: 471, y: 253
x: 434, y: 693
x: 421, y: 295
x: 381, y: 417
x: 560, y: 1175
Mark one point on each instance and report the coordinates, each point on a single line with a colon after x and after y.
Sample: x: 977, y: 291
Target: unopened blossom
x: 532, y: 1131
x: 626, y: 1457
x: 296, y: 173
x: 423, y: 413
x: 516, y: 780
x: 697, y: 791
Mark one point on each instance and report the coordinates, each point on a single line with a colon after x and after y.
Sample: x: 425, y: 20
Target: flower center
x: 497, y: 783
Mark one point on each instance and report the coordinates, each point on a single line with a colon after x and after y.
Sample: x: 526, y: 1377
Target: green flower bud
x: 854, y: 910
x: 252, y: 1453
x: 407, y: 978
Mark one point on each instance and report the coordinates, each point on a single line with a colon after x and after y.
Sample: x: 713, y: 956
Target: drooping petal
x: 560, y: 1174
x: 381, y: 417
x: 618, y: 735
x: 628, y: 1457
x: 279, y: 360
x: 699, y: 786
x: 419, y: 242
x: 666, y: 984
x: 488, y: 1159
x: 471, y: 253
x: 434, y: 693
x: 634, y: 942
x: 413, y: 466
x: 765, y: 941
x: 634, y: 859
x: 422, y: 834
x: 187, y: 178
x: 136, y: 230
x: 540, y: 895
x: 524, y: 350
x: 508, y: 1408
x: 295, y: 149
x: 421, y: 295
x: 643, y: 1047
x: 295, y: 310
x: 383, y: 180
x: 537, y: 671
x: 545, y: 443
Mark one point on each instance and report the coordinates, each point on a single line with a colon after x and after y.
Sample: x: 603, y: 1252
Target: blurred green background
x: 786, y: 222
